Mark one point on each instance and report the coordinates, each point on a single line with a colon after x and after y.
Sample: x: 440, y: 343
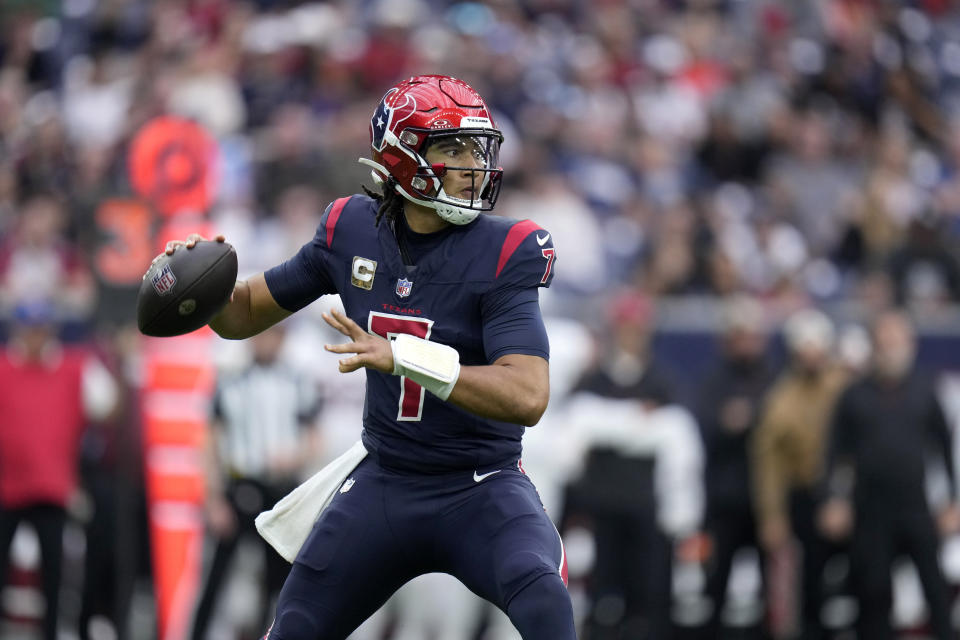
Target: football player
x: 441, y: 310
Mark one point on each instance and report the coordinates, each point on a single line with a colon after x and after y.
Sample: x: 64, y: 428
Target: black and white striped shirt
x: 262, y: 413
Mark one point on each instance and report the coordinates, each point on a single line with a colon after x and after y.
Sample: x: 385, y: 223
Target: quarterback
x: 440, y: 307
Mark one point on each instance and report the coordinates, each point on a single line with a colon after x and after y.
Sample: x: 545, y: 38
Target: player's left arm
x: 515, y: 388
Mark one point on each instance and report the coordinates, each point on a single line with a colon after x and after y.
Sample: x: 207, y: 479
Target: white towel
x: 288, y: 524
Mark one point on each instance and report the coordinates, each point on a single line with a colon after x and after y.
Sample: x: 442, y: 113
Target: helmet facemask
x: 469, y: 161
x: 464, y: 161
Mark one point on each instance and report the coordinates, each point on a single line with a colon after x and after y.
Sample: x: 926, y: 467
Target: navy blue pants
x: 384, y: 528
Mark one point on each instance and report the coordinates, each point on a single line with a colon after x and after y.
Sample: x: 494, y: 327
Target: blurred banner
x: 173, y: 166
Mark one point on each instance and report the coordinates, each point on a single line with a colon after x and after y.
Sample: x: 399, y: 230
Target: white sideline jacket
x: 668, y: 434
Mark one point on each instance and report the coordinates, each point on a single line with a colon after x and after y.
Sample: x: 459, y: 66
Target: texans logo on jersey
x: 388, y: 114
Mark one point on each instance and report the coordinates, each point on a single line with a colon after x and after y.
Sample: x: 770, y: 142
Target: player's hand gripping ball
x: 186, y: 286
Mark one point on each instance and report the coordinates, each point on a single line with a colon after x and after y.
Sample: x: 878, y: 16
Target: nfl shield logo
x: 403, y: 287
x: 164, y: 280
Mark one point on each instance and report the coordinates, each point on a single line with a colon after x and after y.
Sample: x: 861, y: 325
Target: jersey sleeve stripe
x: 335, y: 212
x: 515, y: 236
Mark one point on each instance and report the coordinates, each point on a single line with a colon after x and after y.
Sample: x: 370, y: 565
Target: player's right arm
x: 251, y: 308
x: 267, y: 298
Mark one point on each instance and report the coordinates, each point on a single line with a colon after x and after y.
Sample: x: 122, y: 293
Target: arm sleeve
x: 943, y: 439
x: 679, y: 473
x: 308, y: 401
x: 840, y: 451
x: 100, y: 390
x: 769, y: 484
x: 513, y: 324
x: 707, y: 409
x: 306, y: 276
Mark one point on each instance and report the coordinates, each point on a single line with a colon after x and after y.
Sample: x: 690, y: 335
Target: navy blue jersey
x: 476, y: 290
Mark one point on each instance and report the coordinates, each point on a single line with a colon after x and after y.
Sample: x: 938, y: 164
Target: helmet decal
x: 386, y: 116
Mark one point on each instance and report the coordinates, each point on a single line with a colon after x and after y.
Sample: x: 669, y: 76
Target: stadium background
x: 684, y: 152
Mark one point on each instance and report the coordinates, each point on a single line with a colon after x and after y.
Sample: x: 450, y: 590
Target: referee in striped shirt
x: 262, y: 438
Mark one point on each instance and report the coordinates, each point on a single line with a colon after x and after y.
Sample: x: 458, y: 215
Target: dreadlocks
x: 391, y: 202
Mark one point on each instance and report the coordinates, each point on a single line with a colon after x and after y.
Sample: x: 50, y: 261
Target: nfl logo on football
x: 164, y: 280
x: 403, y: 287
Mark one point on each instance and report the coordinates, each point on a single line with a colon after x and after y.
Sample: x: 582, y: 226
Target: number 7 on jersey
x: 388, y: 325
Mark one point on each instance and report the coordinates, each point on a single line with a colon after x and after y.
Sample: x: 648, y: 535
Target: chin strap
x: 447, y: 211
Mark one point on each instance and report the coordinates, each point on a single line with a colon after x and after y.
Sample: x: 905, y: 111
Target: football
x: 181, y: 292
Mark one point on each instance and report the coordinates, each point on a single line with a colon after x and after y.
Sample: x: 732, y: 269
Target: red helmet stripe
x: 517, y: 234
x: 335, y: 212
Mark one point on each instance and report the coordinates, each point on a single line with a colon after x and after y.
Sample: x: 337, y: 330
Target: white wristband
x: 434, y: 366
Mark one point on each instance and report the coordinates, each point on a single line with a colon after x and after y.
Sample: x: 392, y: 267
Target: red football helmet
x: 424, y: 111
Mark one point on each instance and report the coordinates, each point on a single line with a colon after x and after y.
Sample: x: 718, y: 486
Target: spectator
x: 96, y: 99
x: 290, y: 158
x: 117, y: 550
x: 38, y: 262
x: 887, y: 426
x: 726, y: 156
x: 48, y: 392
x: 46, y: 163
x: 641, y: 485
x: 925, y: 269
x: 263, y: 439
x: 814, y: 181
x: 728, y: 410
x: 787, y: 451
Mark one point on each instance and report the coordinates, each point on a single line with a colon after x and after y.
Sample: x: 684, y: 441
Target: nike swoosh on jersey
x: 477, y: 477
x: 541, y: 241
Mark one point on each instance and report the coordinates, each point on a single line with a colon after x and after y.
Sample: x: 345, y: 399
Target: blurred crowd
x: 773, y: 173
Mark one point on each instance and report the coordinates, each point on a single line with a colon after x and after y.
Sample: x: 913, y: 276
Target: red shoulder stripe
x: 515, y: 236
x: 333, y: 217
